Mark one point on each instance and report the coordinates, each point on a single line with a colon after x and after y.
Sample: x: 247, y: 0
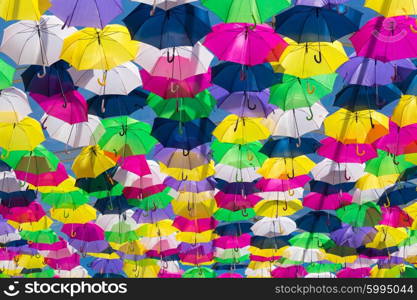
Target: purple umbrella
x: 103, y: 265
x: 244, y: 104
x: 153, y: 216
x: 164, y: 154
x: 86, y: 13
x: 390, y: 262
x: 5, y: 228
x: 84, y: 247
x: 319, y: 3
x: 353, y: 237
x: 199, y: 248
x: 206, y: 184
x: 370, y: 72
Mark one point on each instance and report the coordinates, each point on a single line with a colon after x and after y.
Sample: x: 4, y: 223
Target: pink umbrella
x: 282, y: 185
x: 171, y: 88
x: 66, y: 263
x: 399, y: 140
x: 230, y: 275
x: 244, y: 43
x: 138, y: 193
x: 196, y: 258
x: 23, y: 214
x: 387, y: 39
x: 198, y: 225
x: 346, y: 153
x: 163, y: 273
x: 319, y: 201
x: 289, y: 272
x: 136, y: 164
x: 354, y: 273
x: 45, y: 179
x: 70, y: 107
x: 7, y: 254
x: 232, y: 242
x: 394, y: 216
x: 88, y: 232
x: 236, y: 202
x: 61, y: 244
x: 264, y: 259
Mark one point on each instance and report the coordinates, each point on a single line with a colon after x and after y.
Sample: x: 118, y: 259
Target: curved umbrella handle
x: 123, y: 131
x: 22, y: 183
x: 252, y: 27
x: 346, y: 175
x: 73, y: 234
x: 154, y: 206
x: 286, y: 205
x: 102, y: 81
x: 319, y: 58
x: 236, y: 125
x: 359, y: 153
x: 183, y: 178
x: 292, y: 175
x: 251, y: 107
x: 372, y: 122
x: 171, y: 58
x: 103, y: 107
x: 66, y: 215
x: 185, y: 152
x: 243, y: 75
x: 291, y: 192
x: 310, y: 90
x: 412, y: 28
x: 298, y: 144
x: 388, y: 204
x: 238, y: 179
x: 395, y: 161
x: 245, y: 213
x: 174, y: 88
x: 311, y: 116
x: 43, y: 74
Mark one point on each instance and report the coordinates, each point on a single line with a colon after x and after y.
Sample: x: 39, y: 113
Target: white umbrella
x: 271, y: 227
x: 302, y: 254
x: 287, y: 195
x: 320, y: 275
x: 9, y: 183
x: 176, y: 62
x: 259, y: 273
x: 35, y: 42
x: 296, y: 122
x: 110, y: 222
x: 77, y: 272
x: 164, y: 4
x: 120, y: 80
x: 232, y: 174
x: 75, y: 135
x: 334, y: 173
x: 363, y: 196
x: 14, y: 105
x: 10, y: 237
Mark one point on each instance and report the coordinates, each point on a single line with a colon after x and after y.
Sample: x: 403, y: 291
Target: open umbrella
x: 28, y: 10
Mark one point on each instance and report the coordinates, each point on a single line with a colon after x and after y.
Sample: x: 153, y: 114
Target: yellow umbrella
x: 266, y: 252
x: 310, y: 59
x: 82, y: 214
x: 194, y: 205
x: 93, y: 48
x: 393, y: 272
x: 130, y: 248
x: 393, y: 8
x: 23, y: 9
x: 145, y: 268
x: 360, y: 127
x: 161, y: 228
x: 195, y: 237
x: 276, y: 167
x: 30, y: 261
x: 371, y: 182
x: 68, y: 185
x: 43, y: 223
x: 241, y: 130
x: 91, y: 162
x: 24, y: 135
x: 339, y: 259
x: 411, y: 210
x: 387, y: 236
x: 275, y: 208
x: 405, y: 112
x: 112, y: 255
x: 197, y: 174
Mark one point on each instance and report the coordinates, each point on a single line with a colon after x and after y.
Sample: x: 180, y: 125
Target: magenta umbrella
x: 172, y: 88
x: 282, y: 185
x: 236, y: 201
x: 136, y: 164
x: 66, y: 263
x: 319, y: 201
x: 244, y: 43
x: 88, y: 232
x: 387, y: 39
x: 395, y: 217
x: 232, y: 242
x: 70, y: 107
x: 346, y: 153
x: 354, y: 273
x: 44, y: 179
x: 289, y: 272
x: 399, y: 140
x: 199, y: 225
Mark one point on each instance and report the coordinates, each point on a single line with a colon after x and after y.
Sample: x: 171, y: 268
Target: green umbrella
x: 226, y: 215
x: 289, y: 262
x: 311, y: 240
x: 122, y: 234
x: 37, y: 161
x: 116, y: 190
x: 322, y: 268
x: 410, y: 240
x: 47, y: 273
x: 126, y: 136
x: 360, y: 215
x: 70, y: 200
x: 183, y: 109
x: 199, y: 272
x: 246, y: 11
x: 295, y: 92
x: 409, y: 272
x: 238, y: 156
x: 152, y: 202
x: 387, y: 164
x: 6, y: 75
x: 232, y: 256
x: 46, y: 236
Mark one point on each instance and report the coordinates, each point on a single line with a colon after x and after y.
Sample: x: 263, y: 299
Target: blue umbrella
x: 112, y: 205
x: 186, y: 136
x: 235, y: 77
x: 409, y: 85
x: 117, y: 105
x: 18, y: 198
x: 234, y: 229
x: 183, y: 25
x: 56, y: 79
x: 317, y: 24
x: 275, y: 242
x: 318, y: 221
x: 4, y: 166
x: 327, y: 188
x: 246, y: 188
x: 358, y: 97
x: 289, y: 147
x: 400, y: 194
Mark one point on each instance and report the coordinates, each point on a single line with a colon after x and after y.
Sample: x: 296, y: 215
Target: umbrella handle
x: 43, y: 74
x: 22, y: 183
x: 251, y: 107
x: 171, y: 58
x: 243, y: 75
x: 298, y: 144
x: 73, y: 234
x: 183, y: 178
x: 174, y: 88
x: 346, y: 175
x: 252, y: 27
x: 309, y: 118
x: 359, y: 153
x: 310, y: 89
x: 236, y: 125
x: 394, y: 160
x: 245, y: 213
x: 123, y: 131
x: 152, y: 12
x: 185, y: 152
x: 388, y: 204
x: 286, y: 205
x: 291, y: 192
x: 292, y: 175
x: 65, y: 215
x: 412, y: 28
x: 102, y: 81
x: 103, y: 108
x: 319, y: 58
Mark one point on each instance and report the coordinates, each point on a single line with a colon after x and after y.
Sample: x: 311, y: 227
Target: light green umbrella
x: 6, y: 75
x: 360, y: 215
x: 387, y: 164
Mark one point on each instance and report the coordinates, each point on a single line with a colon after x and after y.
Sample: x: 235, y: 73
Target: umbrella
x: 14, y: 105
x: 402, y: 114
x: 24, y: 135
x: 244, y: 43
x: 252, y: 11
x: 90, y: 13
x: 6, y: 75
x: 335, y: 173
x: 304, y: 23
x: 346, y: 153
x: 270, y: 227
x: 318, y: 221
x: 408, y: 85
x: 289, y: 147
x: 400, y: 194
x: 364, y: 215
x: 175, y: 158
x: 387, y: 236
x: 237, y: 155
x: 387, y: 164
x: 394, y: 8
x: 52, y: 178
x: 29, y: 10
x: 282, y: 167
x: 90, y: 48
x: 91, y: 162
x: 386, y: 39
x: 183, y: 25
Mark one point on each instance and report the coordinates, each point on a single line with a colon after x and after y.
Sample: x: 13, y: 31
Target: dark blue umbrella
x: 18, y: 198
x: 246, y: 188
x: 234, y: 229
x: 327, y: 188
x: 236, y: 77
x: 372, y: 252
x: 318, y: 221
x: 188, y: 135
x: 409, y: 85
x: 56, y: 79
x: 317, y: 24
x: 275, y: 242
x: 112, y: 205
x: 289, y: 147
x: 101, y: 183
x: 4, y: 166
x: 107, y: 106
x: 183, y: 25
x: 229, y: 267
x: 400, y: 194
x: 108, y: 275
x: 358, y: 97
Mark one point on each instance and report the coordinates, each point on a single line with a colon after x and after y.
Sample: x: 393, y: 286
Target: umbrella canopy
x: 29, y: 10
